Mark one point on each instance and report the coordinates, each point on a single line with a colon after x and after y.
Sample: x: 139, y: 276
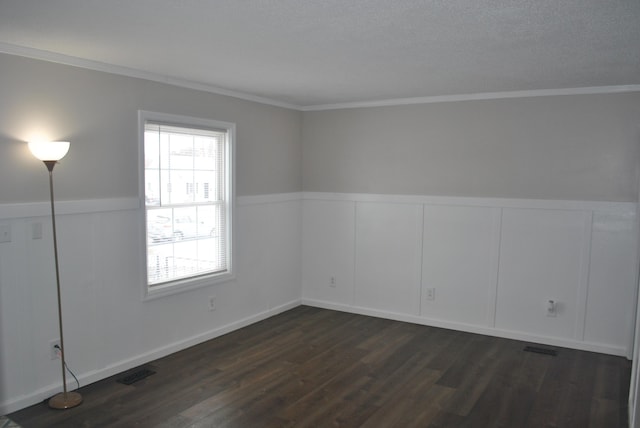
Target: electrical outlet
x: 212, y: 303
x: 332, y: 281
x: 54, y: 349
x: 5, y: 233
x: 36, y: 230
x: 431, y: 294
x: 552, y: 308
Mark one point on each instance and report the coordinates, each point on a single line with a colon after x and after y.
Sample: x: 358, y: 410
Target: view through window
x: 187, y: 201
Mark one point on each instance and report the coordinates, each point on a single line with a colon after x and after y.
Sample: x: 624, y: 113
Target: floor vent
x: 135, y: 376
x: 539, y: 350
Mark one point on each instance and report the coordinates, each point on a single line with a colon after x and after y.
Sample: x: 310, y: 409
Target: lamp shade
x: 49, y: 150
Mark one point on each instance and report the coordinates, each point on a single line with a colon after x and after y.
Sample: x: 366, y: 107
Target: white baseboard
x: 41, y: 394
x: 469, y: 328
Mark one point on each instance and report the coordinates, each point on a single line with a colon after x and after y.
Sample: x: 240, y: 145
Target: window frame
x: 199, y: 280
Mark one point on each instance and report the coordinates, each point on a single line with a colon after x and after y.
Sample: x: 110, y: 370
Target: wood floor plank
x: 414, y: 406
x: 311, y: 367
x: 606, y: 413
x: 323, y: 406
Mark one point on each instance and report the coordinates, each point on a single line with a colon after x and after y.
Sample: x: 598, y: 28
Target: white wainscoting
x: 329, y: 250
x: 108, y: 326
x: 543, y: 256
x: 387, y: 257
x: 460, y: 261
x: 493, y: 263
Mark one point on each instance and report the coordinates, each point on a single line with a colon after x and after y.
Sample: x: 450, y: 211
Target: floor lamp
x: 50, y: 153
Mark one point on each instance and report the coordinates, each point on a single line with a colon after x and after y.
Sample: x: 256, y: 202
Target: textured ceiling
x: 317, y: 52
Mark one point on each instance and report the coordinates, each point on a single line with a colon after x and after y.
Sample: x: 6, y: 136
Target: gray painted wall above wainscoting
x: 97, y: 113
x: 577, y: 147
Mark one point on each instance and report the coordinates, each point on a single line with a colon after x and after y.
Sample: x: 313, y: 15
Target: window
x: 187, y: 181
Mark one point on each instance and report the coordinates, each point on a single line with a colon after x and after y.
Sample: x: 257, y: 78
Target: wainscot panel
x: 562, y: 273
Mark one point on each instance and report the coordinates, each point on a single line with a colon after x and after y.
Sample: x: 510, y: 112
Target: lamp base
x: 65, y: 400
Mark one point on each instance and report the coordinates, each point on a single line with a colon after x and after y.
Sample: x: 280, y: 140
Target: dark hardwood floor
x: 312, y: 367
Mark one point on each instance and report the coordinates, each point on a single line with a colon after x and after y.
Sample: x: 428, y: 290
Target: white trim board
x: 39, y: 209
x: 557, y: 204
x: 593, y: 90
x: 85, y: 206
x: 59, y: 58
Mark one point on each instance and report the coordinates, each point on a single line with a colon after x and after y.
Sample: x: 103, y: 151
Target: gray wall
x: 97, y: 112
x: 583, y: 147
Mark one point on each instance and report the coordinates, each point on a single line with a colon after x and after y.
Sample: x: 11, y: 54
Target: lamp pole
x: 50, y: 153
x: 66, y: 400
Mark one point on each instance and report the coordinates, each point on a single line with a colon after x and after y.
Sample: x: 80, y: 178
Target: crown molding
x: 59, y: 58
x: 479, y: 96
x: 131, y: 72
